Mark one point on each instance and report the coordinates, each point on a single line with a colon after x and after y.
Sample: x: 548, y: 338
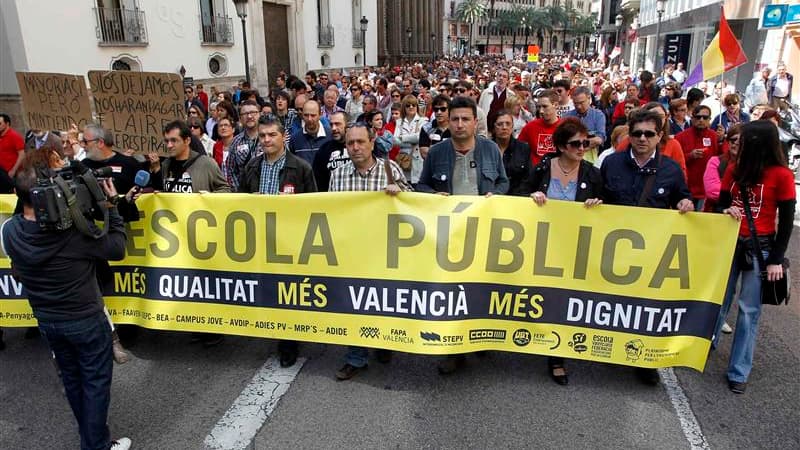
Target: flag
x: 614, y: 53
x: 723, y: 54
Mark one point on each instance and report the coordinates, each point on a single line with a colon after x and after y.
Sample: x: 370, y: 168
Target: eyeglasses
x: 250, y: 113
x: 646, y: 133
x: 353, y: 89
x: 459, y: 90
x: 440, y: 109
x: 702, y: 117
x: 411, y: 106
x: 577, y: 143
x: 194, y: 113
x: 732, y: 104
x: 733, y: 139
x: 86, y: 141
x: 395, y: 95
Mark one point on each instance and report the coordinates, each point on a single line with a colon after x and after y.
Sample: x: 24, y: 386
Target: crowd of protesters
x: 565, y: 130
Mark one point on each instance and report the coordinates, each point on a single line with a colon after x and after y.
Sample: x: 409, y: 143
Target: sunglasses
x: 440, y: 109
x: 733, y: 139
x: 353, y: 89
x: 411, y: 106
x: 577, y: 143
x: 646, y: 133
x: 702, y: 117
x: 460, y: 90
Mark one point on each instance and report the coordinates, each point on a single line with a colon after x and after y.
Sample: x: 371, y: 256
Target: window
x: 119, y: 22
x: 217, y: 64
x: 126, y: 62
x: 324, y: 28
x: 215, y: 25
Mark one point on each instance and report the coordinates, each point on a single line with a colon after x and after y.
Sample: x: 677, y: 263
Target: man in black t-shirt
x: 437, y: 130
x: 332, y: 153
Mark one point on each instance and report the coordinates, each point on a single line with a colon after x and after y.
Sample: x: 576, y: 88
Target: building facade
x: 409, y: 30
x: 689, y: 26
x: 201, y: 39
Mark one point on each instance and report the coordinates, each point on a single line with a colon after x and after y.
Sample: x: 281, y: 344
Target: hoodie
x: 57, y: 269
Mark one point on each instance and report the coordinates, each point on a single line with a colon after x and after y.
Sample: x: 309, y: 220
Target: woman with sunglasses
x: 565, y: 176
x: 718, y: 165
x: 768, y: 186
x: 407, y: 137
x: 355, y: 105
x: 199, y: 131
x: 732, y: 115
x: 196, y: 111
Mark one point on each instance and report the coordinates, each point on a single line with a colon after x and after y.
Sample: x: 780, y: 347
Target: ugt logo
x: 578, y: 342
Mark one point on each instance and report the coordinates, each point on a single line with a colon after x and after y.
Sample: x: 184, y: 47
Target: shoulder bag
x: 772, y: 292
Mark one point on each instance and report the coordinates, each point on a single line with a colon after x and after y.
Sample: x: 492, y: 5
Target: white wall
x: 341, y: 17
x: 59, y: 36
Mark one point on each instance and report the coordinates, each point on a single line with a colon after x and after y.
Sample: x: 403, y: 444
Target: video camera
x: 70, y: 196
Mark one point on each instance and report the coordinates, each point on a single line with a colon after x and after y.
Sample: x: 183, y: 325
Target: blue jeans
x: 357, y: 356
x: 83, y: 351
x: 744, y: 338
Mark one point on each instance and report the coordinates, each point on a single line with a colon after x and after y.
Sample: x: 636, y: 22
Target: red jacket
x: 693, y: 138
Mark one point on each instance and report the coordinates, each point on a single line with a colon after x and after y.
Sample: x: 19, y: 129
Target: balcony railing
x: 325, y: 36
x: 358, y: 38
x: 216, y: 30
x: 120, y: 26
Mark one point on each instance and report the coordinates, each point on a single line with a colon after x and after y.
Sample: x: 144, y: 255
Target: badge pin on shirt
x: 660, y: 191
x: 444, y: 177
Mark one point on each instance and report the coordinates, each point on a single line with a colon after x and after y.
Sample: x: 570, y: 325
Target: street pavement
x: 174, y: 393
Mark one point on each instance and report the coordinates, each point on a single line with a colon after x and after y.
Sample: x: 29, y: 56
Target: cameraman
x: 58, y: 271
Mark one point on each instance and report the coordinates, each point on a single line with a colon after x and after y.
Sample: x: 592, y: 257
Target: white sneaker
x: 121, y: 444
x: 726, y: 328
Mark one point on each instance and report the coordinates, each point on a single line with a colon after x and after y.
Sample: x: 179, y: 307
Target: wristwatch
x: 115, y: 199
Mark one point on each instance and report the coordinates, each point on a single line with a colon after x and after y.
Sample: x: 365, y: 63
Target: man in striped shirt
x: 364, y: 172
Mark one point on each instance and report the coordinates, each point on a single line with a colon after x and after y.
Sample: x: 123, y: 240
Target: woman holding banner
x: 566, y: 176
x: 768, y: 195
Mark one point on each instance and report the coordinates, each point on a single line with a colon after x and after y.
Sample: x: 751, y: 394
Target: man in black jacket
x: 274, y: 172
x: 641, y: 177
x: 58, y: 272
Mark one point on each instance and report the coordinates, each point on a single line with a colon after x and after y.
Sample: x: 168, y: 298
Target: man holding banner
x: 364, y: 172
x: 642, y: 177
x: 277, y: 172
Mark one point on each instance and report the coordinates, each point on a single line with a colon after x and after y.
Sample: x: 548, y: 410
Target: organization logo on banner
x: 522, y: 337
x: 435, y: 339
x: 634, y: 349
x: 370, y: 332
x: 578, y: 342
x: 430, y: 337
x: 487, y: 335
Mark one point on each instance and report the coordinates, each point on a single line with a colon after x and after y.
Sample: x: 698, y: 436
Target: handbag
x: 772, y: 292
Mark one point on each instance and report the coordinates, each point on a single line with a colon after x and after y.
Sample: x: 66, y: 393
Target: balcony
x: 120, y: 27
x: 325, y: 36
x: 358, y: 38
x: 216, y: 30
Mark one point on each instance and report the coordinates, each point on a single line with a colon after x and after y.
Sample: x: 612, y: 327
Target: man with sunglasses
x: 699, y: 143
x: 642, y: 177
x: 438, y: 129
x: 462, y: 88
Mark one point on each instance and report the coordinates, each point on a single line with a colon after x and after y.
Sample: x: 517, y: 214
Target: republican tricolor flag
x: 723, y: 54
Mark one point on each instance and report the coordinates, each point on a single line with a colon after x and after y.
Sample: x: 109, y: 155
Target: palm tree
x: 506, y: 21
x: 559, y: 15
x: 491, y: 24
x: 583, y: 27
x: 537, y: 20
x: 471, y: 11
x: 517, y: 13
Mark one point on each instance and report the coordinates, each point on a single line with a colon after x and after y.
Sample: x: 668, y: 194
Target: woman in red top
x: 762, y: 174
x: 220, y: 153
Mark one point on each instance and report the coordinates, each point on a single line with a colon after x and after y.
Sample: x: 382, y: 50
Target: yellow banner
x: 422, y: 274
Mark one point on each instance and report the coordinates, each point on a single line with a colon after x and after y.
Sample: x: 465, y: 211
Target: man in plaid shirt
x: 244, y: 146
x: 364, y: 172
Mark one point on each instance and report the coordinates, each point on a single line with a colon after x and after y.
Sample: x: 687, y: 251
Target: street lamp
x: 408, y: 38
x: 241, y: 11
x: 433, y: 46
x: 364, y: 23
x: 449, y: 45
x: 618, y: 23
x: 597, y: 27
x: 661, y: 5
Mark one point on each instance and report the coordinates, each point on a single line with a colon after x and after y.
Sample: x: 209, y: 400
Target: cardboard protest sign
x: 135, y: 106
x: 54, y: 101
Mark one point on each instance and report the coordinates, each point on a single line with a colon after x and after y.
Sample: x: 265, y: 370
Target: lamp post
x: 661, y: 6
x: 449, y: 43
x: 433, y: 46
x: 597, y: 27
x: 241, y: 11
x: 618, y: 23
x: 408, y: 38
x: 364, y: 23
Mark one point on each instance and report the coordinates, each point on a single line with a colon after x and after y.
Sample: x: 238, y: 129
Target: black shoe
x: 451, y: 364
x: 32, y: 333
x: 209, y: 340
x: 648, y: 376
x: 737, y: 387
x: 559, y: 374
x: 383, y: 356
x: 288, y: 358
x: 348, y: 371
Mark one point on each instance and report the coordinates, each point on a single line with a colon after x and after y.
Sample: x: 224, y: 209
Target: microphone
x: 141, y: 181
